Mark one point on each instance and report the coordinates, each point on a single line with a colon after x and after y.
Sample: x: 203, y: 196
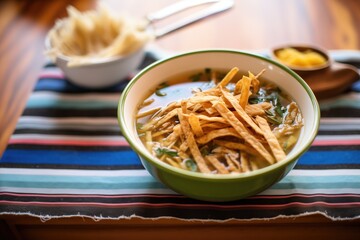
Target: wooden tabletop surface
x: 250, y: 25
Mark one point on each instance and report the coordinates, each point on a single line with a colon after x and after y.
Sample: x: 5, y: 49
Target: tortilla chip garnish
x: 241, y: 129
x: 228, y: 77
x: 271, y: 139
x: 195, y: 125
x: 192, y: 143
x: 240, y: 110
x: 237, y: 146
x: 245, y: 163
x: 217, y: 130
x: 217, y: 164
x: 216, y: 134
x: 245, y: 91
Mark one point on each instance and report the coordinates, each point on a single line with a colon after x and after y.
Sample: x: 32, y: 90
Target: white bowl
x: 208, y: 186
x: 102, y: 74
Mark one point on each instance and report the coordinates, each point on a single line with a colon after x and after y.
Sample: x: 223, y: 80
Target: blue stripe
x: 311, y: 182
x: 48, y: 84
x: 129, y: 157
x: 330, y: 157
x: 60, y: 103
x: 79, y: 182
x: 71, y: 157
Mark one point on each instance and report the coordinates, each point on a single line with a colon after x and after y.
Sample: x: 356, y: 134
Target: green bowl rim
x: 216, y: 177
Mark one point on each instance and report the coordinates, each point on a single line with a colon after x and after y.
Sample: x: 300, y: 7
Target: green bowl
x: 207, y: 186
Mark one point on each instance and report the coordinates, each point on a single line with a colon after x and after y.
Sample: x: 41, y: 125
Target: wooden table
x: 250, y: 25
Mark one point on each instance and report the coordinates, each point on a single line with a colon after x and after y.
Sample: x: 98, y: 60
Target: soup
x: 219, y: 122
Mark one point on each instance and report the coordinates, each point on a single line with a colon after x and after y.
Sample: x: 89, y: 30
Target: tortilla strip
x: 237, y: 146
x: 217, y: 133
x: 257, y: 109
x: 231, y: 165
x: 214, y: 125
x: 241, y: 129
x: 173, y: 137
x: 254, y: 165
x: 228, y: 77
x: 212, y: 119
x: 245, y: 91
x: 166, y: 109
x: 147, y: 102
x: 292, y: 113
x: 195, y: 125
x: 184, y: 146
x: 240, y: 110
x: 271, y: 139
x: 201, y: 99
x: 166, y: 118
x: 157, y: 121
x: 234, y: 166
x: 217, y: 164
x: 208, y: 108
x: 196, y: 107
x: 192, y: 143
x: 184, y: 106
x: 172, y: 162
x: 162, y: 132
x: 209, y: 92
x: 148, y: 141
x: 245, y: 163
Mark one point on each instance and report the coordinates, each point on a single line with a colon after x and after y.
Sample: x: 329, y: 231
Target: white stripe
x: 86, y: 191
x: 69, y: 120
x: 330, y: 172
x: 271, y: 191
x: 340, y: 120
x: 71, y: 172
x: 65, y: 137
x: 337, y: 137
x: 84, y: 96
x: 338, y: 127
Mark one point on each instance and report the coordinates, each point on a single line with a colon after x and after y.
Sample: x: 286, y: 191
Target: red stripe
x: 69, y: 142
x: 336, y: 142
x: 59, y: 75
x: 195, y: 206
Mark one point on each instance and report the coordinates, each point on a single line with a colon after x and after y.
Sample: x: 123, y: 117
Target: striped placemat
x: 67, y: 157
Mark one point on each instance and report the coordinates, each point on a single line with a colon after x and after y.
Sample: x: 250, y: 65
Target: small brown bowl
x: 303, y: 48
x: 326, y: 80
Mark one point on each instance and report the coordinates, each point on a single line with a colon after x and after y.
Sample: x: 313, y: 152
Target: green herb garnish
x: 191, y: 165
x: 165, y: 151
x: 139, y: 126
x: 160, y: 93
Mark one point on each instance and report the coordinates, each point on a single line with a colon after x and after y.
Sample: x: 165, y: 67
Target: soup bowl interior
x: 218, y: 187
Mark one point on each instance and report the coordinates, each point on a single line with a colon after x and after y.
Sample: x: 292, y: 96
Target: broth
x: 241, y: 138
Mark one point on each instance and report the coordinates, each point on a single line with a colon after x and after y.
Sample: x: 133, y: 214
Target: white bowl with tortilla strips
x: 218, y: 187
x: 97, y: 48
x: 101, y: 74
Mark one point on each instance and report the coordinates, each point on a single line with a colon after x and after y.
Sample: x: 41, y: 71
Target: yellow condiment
x: 293, y: 57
